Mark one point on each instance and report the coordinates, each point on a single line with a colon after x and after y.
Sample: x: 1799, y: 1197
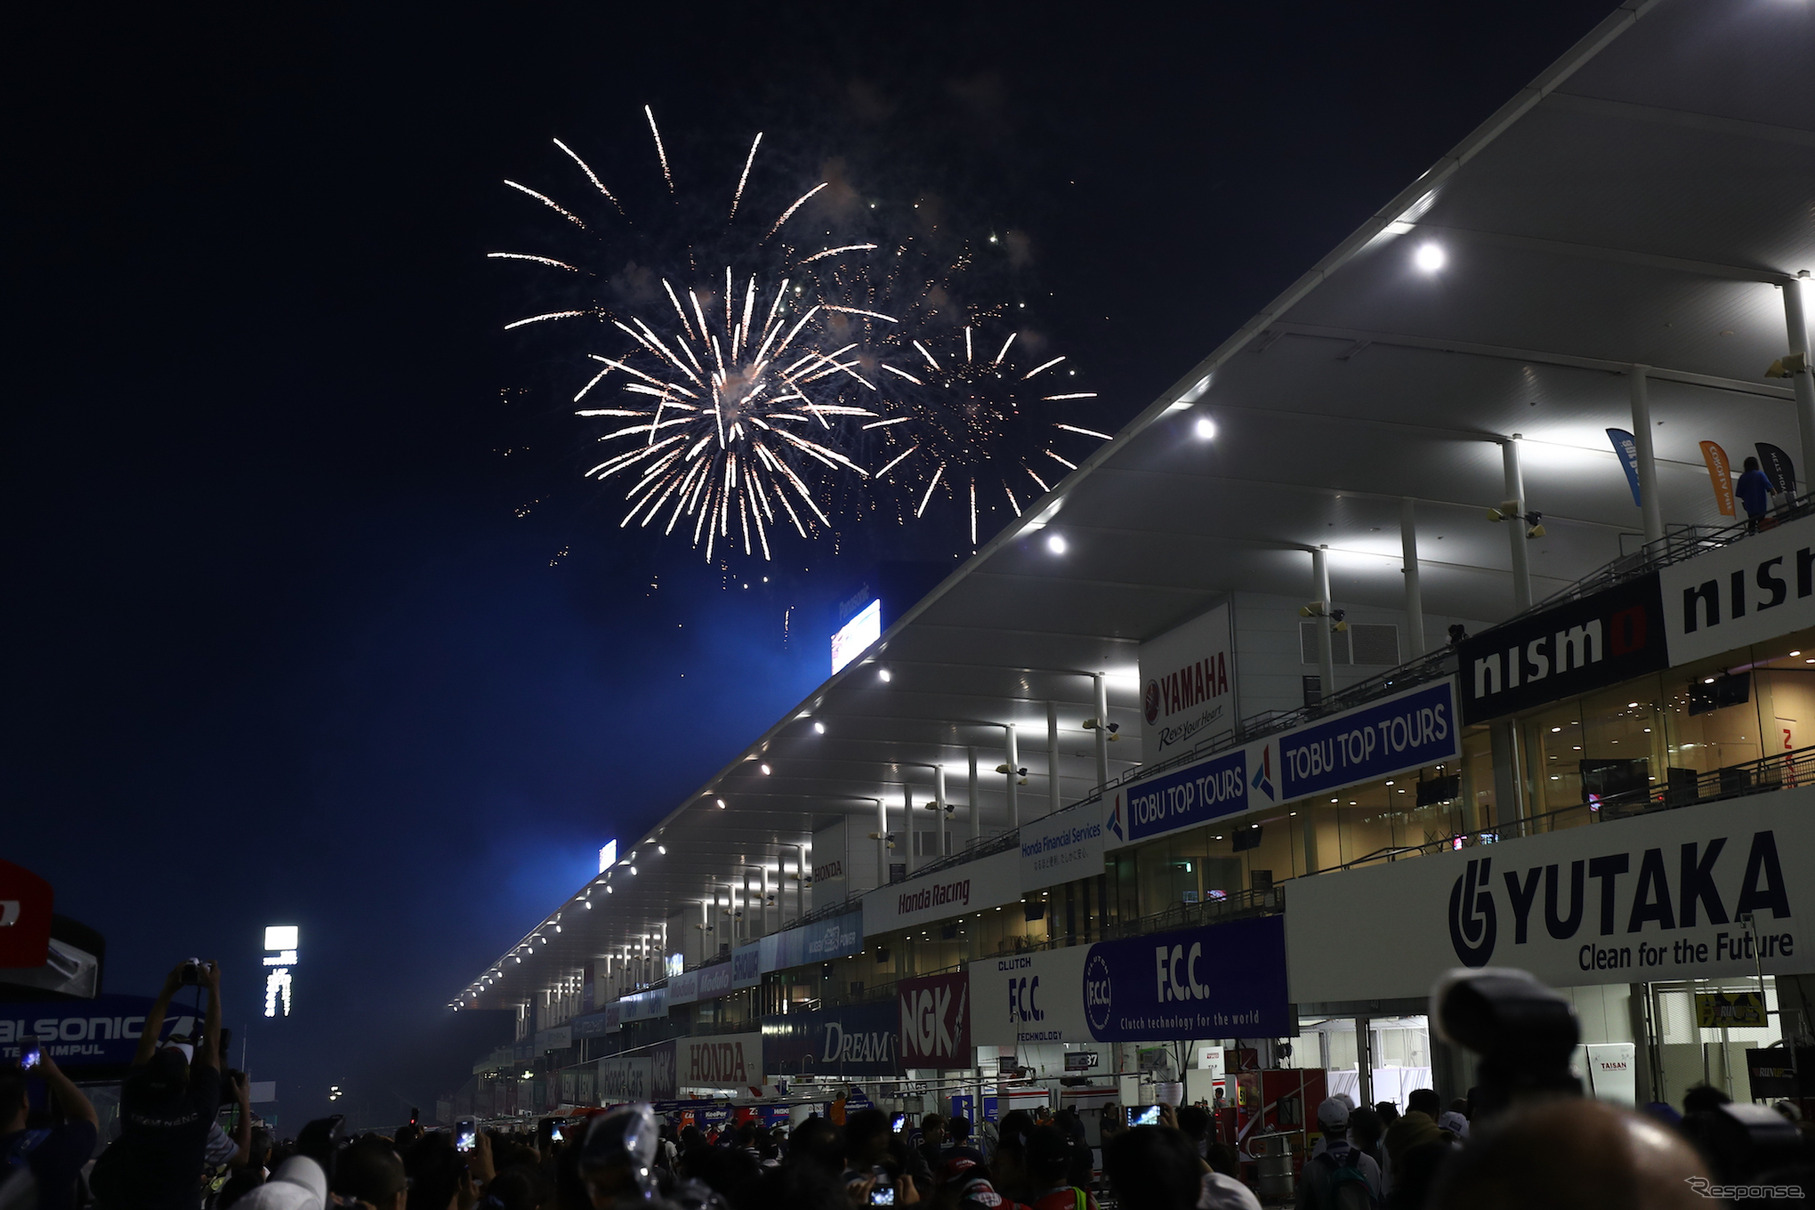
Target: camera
x: 194, y: 973
x: 1143, y: 1115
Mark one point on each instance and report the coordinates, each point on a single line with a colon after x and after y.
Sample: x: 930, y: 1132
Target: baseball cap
x: 958, y: 1162
x: 1332, y: 1114
x: 298, y: 1184
x: 1226, y: 1193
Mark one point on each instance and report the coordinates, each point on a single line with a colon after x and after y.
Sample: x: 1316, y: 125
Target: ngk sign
x: 935, y: 1021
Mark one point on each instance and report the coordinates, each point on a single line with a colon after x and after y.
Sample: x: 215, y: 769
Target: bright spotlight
x: 884, y: 674
x: 819, y: 727
x: 1429, y: 257
x: 1205, y: 428
x: 1055, y: 544
x: 766, y: 770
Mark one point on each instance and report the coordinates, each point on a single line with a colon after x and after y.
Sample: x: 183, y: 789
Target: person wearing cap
x: 1331, y: 1180
x: 52, y: 1157
x: 167, y: 1108
x: 1048, y: 1160
x: 298, y: 1184
x: 964, y: 1182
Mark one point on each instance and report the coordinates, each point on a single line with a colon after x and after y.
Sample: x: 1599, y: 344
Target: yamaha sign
x: 1695, y: 893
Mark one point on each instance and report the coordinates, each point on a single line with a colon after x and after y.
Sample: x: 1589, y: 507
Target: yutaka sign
x: 935, y: 1021
x: 1187, y: 685
x: 1693, y: 893
x: 1752, y: 591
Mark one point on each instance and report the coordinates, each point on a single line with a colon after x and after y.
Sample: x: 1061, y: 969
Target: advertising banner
x: 1657, y: 897
x: 592, y: 1025
x: 1404, y: 732
x: 855, y: 1040
x: 719, y: 1061
x: 683, y: 988
x: 1182, y: 799
x: 1777, y: 467
x: 989, y: 882
x: 1752, y: 591
x: 644, y: 1006
x: 1188, y: 686
x: 821, y: 941
x: 1626, y: 446
x: 1581, y: 645
x: 101, y: 1032
x: 26, y: 902
x: 1062, y: 846
x: 714, y: 980
x: 1720, y: 476
x: 1217, y: 981
x: 746, y: 965
x: 1035, y: 997
x: 935, y: 1021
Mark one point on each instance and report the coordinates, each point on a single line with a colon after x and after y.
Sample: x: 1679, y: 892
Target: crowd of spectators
x: 171, y: 1152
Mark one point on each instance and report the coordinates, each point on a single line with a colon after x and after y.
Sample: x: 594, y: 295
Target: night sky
x: 312, y: 618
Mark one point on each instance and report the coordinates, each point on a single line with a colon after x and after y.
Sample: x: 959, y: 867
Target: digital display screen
x: 857, y: 634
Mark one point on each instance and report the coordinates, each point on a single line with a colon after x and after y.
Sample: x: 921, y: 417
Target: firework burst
x: 985, y: 417
x: 730, y: 392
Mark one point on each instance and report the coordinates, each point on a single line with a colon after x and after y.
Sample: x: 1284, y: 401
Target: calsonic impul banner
x: 1658, y: 897
x: 1217, y: 981
x: 1062, y: 846
x: 1187, y: 686
x: 954, y: 891
x: 102, y: 1032
x: 1035, y: 997
x: 935, y: 1021
x: 1755, y: 590
x: 719, y: 1061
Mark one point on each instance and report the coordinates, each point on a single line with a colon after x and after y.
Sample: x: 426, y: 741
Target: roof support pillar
x: 882, y: 842
x: 912, y: 860
x: 1651, y: 507
x: 1800, y: 381
x: 1100, y: 686
x: 1014, y: 764
x: 764, y: 888
x: 1515, y: 490
x: 975, y: 810
x: 1414, y: 595
x: 1326, y: 657
x: 1052, y: 757
x: 941, y: 804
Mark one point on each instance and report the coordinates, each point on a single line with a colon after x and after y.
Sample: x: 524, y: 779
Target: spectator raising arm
x: 208, y: 1054
x: 154, y: 1020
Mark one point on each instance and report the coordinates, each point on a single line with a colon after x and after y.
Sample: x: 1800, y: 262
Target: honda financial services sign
x: 1661, y: 897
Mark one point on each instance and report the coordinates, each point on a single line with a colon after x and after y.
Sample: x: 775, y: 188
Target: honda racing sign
x: 935, y: 1021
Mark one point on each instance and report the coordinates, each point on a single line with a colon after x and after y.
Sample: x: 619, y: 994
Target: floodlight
x: 1205, y: 428
x: 1055, y: 544
x: 1430, y: 257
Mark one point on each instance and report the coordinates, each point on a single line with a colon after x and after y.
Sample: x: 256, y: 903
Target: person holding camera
x: 45, y: 1161
x: 167, y: 1108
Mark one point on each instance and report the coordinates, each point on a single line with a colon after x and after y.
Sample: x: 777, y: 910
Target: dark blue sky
x: 281, y: 649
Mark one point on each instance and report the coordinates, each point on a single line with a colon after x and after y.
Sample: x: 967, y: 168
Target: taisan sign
x: 1693, y: 893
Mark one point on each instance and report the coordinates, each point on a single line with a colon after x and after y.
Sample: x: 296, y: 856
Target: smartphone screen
x: 466, y: 1135
x: 882, y: 1195
x: 900, y: 1123
x: 1143, y: 1115
x: 554, y: 1135
x: 31, y: 1058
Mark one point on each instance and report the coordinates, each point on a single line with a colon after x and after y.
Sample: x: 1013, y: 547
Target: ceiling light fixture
x: 1205, y: 428
x: 1430, y: 258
